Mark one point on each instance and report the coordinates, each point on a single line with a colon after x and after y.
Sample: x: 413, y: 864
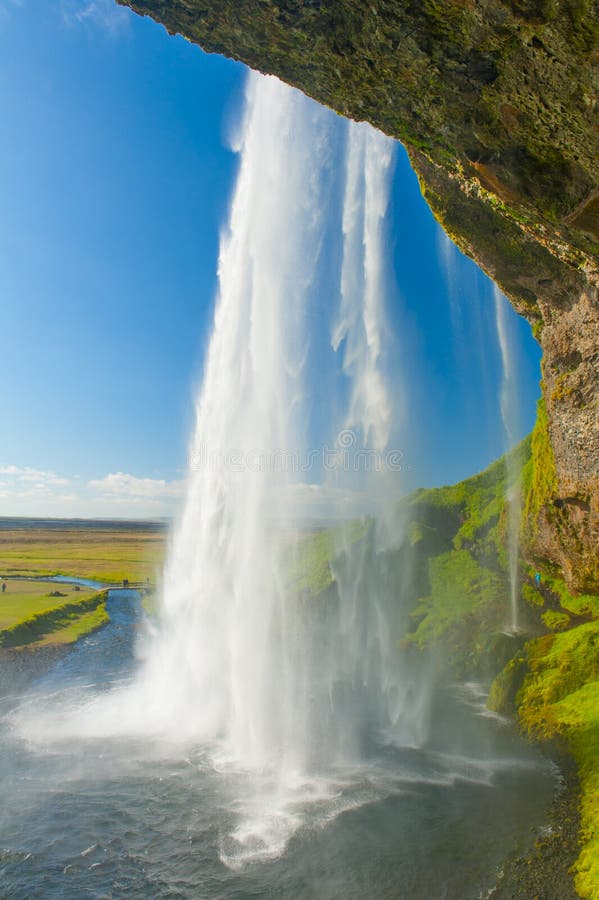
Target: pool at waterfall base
x: 116, y: 816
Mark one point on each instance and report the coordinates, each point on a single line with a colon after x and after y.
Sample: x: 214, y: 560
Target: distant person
x: 125, y: 583
x: 3, y: 586
x: 538, y: 579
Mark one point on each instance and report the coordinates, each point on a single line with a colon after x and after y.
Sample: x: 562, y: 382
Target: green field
x: 39, y: 613
x: 106, y: 555
x: 29, y: 615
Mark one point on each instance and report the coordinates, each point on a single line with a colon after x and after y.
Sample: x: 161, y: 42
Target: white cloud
x: 104, y: 14
x: 37, y: 477
x: 124, y: 486
x: 26, y: 491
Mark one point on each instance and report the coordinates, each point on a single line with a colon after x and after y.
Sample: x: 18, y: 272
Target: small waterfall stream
x: 510, y: 414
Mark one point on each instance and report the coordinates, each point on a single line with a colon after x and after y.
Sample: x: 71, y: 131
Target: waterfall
x: 369, y: 615
x: 239, y: 659
x: 286, y: 690
x: 227, y: 648
x: 510, y: 412
x: 282, y: 686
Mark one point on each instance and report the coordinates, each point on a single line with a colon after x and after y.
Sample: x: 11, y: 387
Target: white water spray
x: 277, y: 683
x: 369, y: 615
x: 510, y: 413
x: 240, y: 659
x: 226, y: 653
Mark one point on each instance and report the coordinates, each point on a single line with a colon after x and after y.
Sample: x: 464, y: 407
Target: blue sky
x: 115, y: 178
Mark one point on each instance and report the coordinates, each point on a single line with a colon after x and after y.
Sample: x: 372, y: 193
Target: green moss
x: 541, y: 477
x: 577, y: 717
x: 532, y: 596
x: 460, y: 586
x: 559, y: 664
x: 505, y: 687
x: 581, y: 605
x: 560, y: 697
x: 537, y: 328
x: 457, y: 587
x: 420, y: 533
x: 310, y: 571
x: 448, y: 20
x: 556, y: 621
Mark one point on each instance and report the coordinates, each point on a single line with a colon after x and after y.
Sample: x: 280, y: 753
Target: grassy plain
x: 39, y: 613
x: 23, y: 599
x: 107, y: 555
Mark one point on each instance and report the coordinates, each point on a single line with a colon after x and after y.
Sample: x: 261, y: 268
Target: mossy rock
x: 506, y: 686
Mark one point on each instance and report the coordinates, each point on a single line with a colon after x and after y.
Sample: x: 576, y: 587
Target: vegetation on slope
x: 457, y: 586
x: 549, y: 671
x: 540, y: 476
x: 309, y: 565
x: 553, y: 685
x: 461, y: 584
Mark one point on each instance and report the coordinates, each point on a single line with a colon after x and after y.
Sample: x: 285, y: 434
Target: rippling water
x: 109, y: 818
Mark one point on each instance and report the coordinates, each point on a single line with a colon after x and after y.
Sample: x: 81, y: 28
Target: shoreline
x: 544, y: 872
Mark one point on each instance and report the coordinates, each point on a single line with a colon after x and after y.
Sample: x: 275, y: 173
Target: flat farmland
x: 107, y: 553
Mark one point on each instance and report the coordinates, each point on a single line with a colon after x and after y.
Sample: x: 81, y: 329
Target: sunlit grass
x: 77, y: 628
x: 23, y: 599
x: 30, y: 617
x: 53, y: 620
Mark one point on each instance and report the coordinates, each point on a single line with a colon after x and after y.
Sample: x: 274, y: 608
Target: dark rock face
x: 496, y: 102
